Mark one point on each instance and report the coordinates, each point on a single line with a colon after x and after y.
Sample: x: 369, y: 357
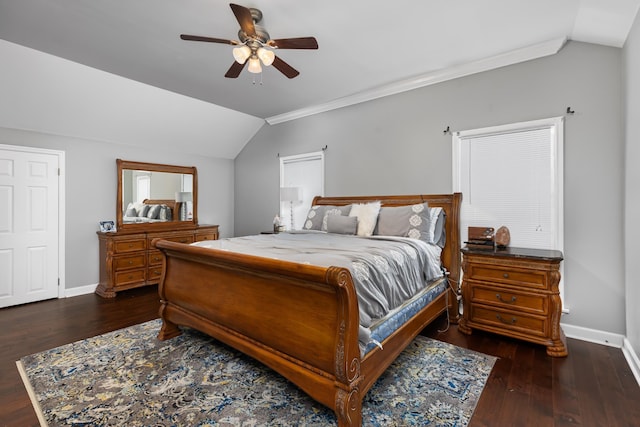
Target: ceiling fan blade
x: 235, y: 70
x: 243, y: 15
x: 295, y: 43
x: 207, y: 39
x: 285, y: 68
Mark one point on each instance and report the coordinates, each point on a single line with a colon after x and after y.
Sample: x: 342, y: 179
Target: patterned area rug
x: 128, y: 377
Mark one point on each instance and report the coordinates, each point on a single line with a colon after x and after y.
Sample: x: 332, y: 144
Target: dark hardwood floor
x: 593, y: 386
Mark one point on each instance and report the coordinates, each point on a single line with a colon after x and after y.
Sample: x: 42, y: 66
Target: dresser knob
x: 513, y: 320
x: 505, y: 275
x: 512, y: 300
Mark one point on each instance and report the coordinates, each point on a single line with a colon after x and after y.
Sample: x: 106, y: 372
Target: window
x: 512, y: 175
x: 301, y: 174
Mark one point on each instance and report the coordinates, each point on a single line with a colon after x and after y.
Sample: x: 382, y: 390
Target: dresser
x: 127, y: 259
x: 514, y: 292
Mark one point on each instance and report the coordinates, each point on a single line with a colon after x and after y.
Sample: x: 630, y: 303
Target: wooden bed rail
x: 300, y: 320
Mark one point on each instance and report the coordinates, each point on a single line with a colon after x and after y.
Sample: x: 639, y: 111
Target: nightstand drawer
x: 127, y: 262
x: 510, y: 275
x: 506, y: 298
x: 519, y: 322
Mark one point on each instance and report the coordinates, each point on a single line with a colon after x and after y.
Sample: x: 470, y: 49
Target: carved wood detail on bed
x: 301, y: 320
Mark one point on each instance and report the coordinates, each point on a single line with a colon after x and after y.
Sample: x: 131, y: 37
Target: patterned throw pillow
x: 417, y: 221
x: 317, y: 214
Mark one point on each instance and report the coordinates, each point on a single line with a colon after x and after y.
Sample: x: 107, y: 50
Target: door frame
x: 61, y: 206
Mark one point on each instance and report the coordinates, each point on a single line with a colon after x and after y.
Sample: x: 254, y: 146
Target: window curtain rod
x: 322, y: 149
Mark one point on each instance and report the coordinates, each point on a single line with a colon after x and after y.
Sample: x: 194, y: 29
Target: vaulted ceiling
x: 363, y: 45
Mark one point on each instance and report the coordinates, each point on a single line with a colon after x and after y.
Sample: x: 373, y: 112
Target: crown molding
x: 528, y: 53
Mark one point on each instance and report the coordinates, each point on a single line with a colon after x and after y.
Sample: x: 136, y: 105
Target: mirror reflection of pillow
x: 154, y: 211
x: 131, y: 210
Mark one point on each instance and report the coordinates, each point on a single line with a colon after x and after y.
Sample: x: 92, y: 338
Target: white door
x: 28, y: 225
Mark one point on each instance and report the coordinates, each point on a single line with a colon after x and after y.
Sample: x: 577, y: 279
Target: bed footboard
x: 300, y: 320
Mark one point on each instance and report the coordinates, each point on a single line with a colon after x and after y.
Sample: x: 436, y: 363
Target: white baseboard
x: 606, y: 338
x: 632, y: 359
x: 80, y: 290
x: 593, y: 335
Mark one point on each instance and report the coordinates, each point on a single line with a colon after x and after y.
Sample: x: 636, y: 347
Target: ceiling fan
x: 255, y: 44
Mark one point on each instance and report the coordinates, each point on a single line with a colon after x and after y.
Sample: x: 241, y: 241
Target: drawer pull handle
x: 130, y: 245
x: 513, y: 320
x: 511, y: 301
x: 183, y: 241
x: 505, y: 275
x: 131, y: 276
x: 130, y: 262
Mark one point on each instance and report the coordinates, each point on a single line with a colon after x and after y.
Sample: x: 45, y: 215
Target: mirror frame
x: 155, y: 167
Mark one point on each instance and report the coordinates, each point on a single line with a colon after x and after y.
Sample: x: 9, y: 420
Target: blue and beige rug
x: 129, y: 378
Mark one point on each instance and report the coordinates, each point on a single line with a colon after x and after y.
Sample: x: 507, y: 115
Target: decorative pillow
x: 341, y: 224
x: 367, y: 214
x: 316, y: 216
x: 437, y: 231
x: 153, y: 212
x: 334, y: 211
x: 405, y: 221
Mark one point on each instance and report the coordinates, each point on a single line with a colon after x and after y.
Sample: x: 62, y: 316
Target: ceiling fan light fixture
x: 267, y: 56
x: 254, y: 65
x: 241, y: 54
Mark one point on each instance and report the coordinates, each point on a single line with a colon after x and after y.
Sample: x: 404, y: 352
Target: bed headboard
x: 450, y: 203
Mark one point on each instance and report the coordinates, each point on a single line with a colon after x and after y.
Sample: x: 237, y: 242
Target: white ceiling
x: 363, y: 45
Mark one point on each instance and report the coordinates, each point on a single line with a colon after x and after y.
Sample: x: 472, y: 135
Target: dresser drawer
x: 124, y: 246
x: 186, y: 238
x: 508, y: 275
x: 154, y: 272
x: 128, y: 262
x: 502, y: 319
x: 506, y: 298
x: 129, y: 277
x: 206, y: 236
x: 155, y: 258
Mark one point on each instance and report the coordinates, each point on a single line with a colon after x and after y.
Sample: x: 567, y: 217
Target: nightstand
x: 514, y: 292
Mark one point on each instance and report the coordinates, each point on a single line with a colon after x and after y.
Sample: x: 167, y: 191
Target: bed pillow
x: 405, y: 221
x: 341, y: 224
x: 367, y: 214
x: 317, y: 214
x: 334, y: 211
x: 417, y: 221
x: 142, y: 211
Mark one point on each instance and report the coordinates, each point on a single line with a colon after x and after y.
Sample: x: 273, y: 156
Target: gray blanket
x: 387, y: 271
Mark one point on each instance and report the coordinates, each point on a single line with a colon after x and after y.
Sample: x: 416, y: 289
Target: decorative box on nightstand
x: 514, y: 292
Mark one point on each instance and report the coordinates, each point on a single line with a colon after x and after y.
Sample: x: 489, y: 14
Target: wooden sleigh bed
x: 300, y: 320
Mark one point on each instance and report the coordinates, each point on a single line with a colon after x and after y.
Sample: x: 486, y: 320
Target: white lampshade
x: 290, y: 194
x: 266, y: 56
x: 184, y: 196
x: 254, y: 65
x: 241, y: 54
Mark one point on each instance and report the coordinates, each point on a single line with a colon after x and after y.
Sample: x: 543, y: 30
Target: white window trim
x: 316, y: 155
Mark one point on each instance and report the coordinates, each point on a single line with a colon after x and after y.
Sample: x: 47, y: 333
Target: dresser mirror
x: 155, y: 196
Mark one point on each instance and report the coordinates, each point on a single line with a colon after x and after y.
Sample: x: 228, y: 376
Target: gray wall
x: 90, y: 186
x: 395, y: 145
x: 632, y: 177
